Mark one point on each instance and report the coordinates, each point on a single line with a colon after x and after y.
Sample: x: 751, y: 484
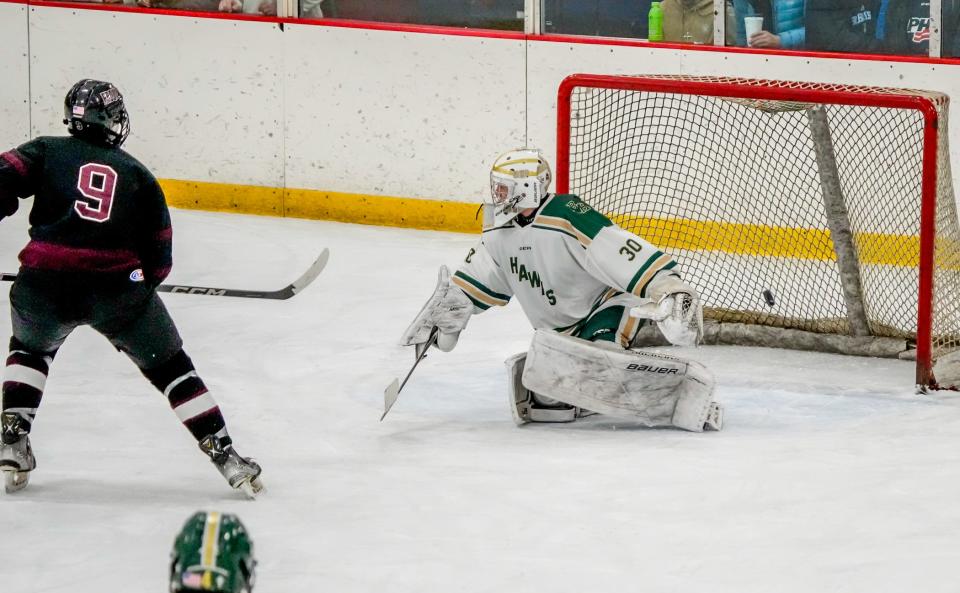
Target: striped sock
x: 23, y: 382
x: 177, y: 379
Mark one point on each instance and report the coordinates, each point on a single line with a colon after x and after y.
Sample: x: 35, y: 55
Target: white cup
x: 753, y: 25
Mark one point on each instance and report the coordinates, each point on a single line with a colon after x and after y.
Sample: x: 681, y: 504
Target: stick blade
x: 312, y: 272
x: 390, y: 395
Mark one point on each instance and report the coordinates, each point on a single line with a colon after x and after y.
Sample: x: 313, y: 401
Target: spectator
x: 261, y: 7
x: 950, y: 32
x: 784, y: 17
x: 607, y: 18
x: 691, y: 21
x: 842, y: 25
x: 310, y: 9
x: 903, y: 27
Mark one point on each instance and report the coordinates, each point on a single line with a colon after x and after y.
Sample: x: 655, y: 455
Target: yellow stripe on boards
x: 770, y: 241
x: 463, y: 217
x: 435, y: 215
x: 223, y: 197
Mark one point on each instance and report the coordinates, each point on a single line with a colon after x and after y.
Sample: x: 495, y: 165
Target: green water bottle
x: 655, y: 22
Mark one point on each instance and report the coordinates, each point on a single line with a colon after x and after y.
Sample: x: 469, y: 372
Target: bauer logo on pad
x: 136, y: 275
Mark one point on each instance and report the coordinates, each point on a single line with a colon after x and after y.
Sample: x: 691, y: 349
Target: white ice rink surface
x: 830, y: 475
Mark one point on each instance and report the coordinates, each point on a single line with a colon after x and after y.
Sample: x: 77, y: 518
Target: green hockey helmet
x: 212, y: 553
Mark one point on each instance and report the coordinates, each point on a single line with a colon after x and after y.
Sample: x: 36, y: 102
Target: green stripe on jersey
x: 571, y: 208
x: 481, y: 287
x: 478, y: 304
x: 643, y: 269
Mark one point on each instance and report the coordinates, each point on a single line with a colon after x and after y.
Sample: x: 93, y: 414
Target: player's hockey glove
x: 8, y: 204
x: 447, y: 309
x: 675, y: 307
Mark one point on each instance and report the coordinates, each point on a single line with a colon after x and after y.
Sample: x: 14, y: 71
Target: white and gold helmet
x: 519, y: 180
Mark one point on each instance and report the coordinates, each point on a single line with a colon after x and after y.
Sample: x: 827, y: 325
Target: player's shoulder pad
x: 37, y: 146
x: 569, y: 214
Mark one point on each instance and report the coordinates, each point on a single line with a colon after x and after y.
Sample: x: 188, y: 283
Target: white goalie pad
x: 655, y: 389
x: 447, y: 309
x: 522, y: 400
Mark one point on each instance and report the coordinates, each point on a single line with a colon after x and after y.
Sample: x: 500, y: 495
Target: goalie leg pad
x: 695, y: 401
x: 610, y: 380
x: 525, y: 405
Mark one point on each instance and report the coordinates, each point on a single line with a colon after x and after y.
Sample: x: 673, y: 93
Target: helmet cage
x: 519, y: 181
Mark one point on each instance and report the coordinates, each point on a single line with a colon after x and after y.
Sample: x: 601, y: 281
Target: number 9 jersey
x: 572, y: 269
x: 97, y: 210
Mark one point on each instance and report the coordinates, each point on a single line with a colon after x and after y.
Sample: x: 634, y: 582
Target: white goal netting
x: 796, y: 209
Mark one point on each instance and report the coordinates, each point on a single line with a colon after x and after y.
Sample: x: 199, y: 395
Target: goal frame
x: 802, y: 92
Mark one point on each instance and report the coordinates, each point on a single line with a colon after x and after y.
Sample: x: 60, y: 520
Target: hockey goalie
x: 587, y: 286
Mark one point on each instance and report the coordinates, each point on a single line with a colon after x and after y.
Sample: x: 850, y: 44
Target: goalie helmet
x: 519, y: 180
x: 94, y: 110
x: 212, y: 553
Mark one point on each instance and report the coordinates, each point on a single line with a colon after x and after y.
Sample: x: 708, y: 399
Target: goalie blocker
x: 654, y: 389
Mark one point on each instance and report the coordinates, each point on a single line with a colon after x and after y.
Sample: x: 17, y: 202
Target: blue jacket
x: 787, y: 21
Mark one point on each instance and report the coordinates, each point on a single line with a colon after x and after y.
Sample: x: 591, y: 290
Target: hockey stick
x: 281, y: 294
x: 392, y: 392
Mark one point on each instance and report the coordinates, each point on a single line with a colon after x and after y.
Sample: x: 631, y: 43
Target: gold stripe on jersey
x: 478, y: 294
x: 628, y: 328
x: 657, y: 262
x: 563, y: 225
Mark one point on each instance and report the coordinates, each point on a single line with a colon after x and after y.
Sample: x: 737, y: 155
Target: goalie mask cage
x: 809, y: 216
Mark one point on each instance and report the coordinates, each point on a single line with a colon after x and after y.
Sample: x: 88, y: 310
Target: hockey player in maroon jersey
x: 100, y: 244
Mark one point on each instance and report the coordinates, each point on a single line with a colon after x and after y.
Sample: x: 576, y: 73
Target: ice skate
x: 16, y: 455
x: 241, y: 473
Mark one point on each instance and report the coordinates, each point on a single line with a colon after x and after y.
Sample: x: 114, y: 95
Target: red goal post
x: 833, y: 202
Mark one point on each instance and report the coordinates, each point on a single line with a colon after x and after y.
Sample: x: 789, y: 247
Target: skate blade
x: 252, y: 487
x: 14, y: 481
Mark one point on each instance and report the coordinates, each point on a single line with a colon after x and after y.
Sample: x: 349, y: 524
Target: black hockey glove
x: 8, y: 204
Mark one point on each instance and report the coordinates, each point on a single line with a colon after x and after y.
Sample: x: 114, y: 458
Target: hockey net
x: 809, y: 216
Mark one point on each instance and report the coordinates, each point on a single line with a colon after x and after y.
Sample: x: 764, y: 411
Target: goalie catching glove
x: 675, y: 307
x: 448, y: 310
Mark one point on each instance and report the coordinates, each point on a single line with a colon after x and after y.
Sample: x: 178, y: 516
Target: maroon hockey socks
x: 23, y: 382
x: 178, y: 381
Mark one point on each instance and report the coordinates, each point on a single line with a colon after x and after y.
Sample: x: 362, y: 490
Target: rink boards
x: 383, y: 125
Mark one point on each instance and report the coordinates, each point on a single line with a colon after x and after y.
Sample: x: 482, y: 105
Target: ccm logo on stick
x: 198, y: 290
x: 651, y: 369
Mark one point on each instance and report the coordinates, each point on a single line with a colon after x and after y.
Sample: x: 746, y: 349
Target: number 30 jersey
x: 97, y: 210
x: 562, y: 266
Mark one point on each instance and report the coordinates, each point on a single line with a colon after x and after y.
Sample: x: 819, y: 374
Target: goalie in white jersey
x: 587, y: 286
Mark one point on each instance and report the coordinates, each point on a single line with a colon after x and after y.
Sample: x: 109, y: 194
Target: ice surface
x: 830, y: 475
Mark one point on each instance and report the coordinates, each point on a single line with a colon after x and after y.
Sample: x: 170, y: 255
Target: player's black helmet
x: 94, y: 110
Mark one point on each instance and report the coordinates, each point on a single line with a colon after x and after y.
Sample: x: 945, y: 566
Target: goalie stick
x: 281, y: 294
x: 392, y: 392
